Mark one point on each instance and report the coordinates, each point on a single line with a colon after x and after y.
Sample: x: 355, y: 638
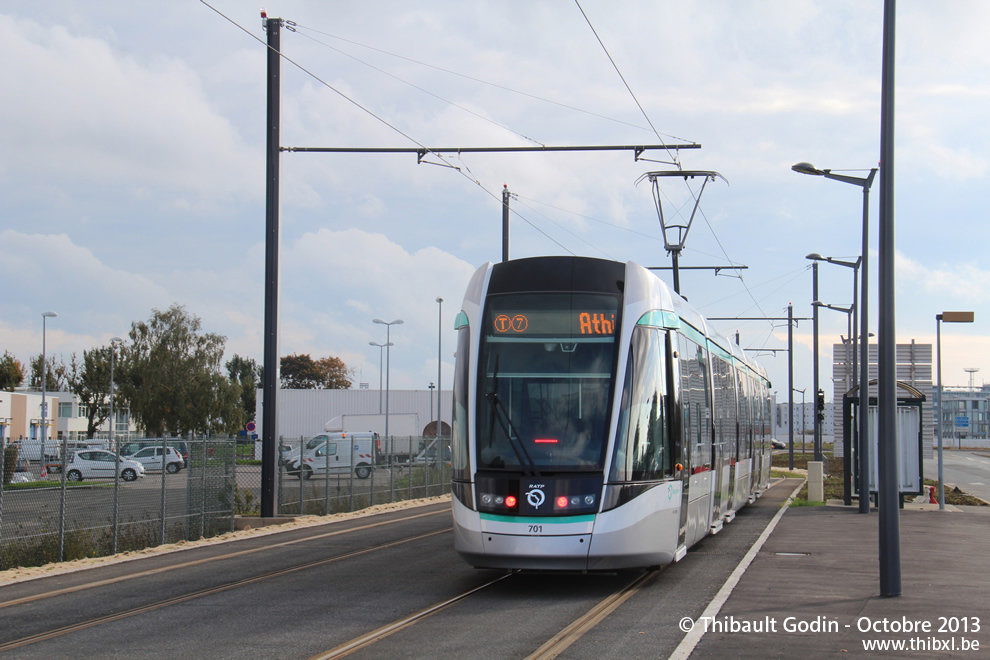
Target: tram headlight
x: 486, y: 498
x: 499, y: 500
x: 589, y: 499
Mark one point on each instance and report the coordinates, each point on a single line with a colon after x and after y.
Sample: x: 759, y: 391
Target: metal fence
x: 407, y: 467
x: 46, y: 518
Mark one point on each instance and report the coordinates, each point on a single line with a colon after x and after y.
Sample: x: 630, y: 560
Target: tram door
x: 696, y: 416
x: 680, y: 433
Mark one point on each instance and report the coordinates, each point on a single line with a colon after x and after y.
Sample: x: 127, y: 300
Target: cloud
x: 94, y: 301
x: 86, y: 111
x: 958, y: 283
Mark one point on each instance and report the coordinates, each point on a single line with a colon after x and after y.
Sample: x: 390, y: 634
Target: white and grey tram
x: 599, y: 422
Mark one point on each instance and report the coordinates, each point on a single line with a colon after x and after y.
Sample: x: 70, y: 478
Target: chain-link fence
x: 337, y: 476
x: 94, y: 506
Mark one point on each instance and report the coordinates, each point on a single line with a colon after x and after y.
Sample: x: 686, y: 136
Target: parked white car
x: 151, y: 459
x: 99, y: 464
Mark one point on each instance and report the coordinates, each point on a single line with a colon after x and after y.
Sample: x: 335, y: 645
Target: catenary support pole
x: 271, y: 362
x: 890, y: 530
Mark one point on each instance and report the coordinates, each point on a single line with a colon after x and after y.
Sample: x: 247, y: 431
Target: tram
x: 599, y: 422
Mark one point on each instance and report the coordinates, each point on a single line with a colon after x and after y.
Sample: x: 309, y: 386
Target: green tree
x: 334, y: 374
x: 11, y: 372
x: 172, y: 377
x: 301, y: 372
x: 247, y: 374
x: 90, y: 382
x: 56, y: 378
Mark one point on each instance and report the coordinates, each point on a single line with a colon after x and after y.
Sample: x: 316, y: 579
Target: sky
x: 132, y: 166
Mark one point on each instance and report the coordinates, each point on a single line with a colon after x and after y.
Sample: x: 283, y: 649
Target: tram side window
x: 696, y: 402
x: 459, y: 421
x: 643, y: 451
x: 725, y: 406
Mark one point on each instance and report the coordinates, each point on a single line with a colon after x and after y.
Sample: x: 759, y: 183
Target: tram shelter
x: 910, y: 466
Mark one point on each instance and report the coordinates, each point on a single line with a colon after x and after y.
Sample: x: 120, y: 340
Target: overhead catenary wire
x: 425, y: 91
x: 482, y: 81
x: 421, y: 148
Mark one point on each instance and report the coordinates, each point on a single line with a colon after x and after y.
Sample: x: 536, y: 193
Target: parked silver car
x: 99, y: 464
x: 152, y: 459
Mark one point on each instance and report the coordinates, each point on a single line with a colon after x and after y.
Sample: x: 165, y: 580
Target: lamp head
x: 49, y: 314
x: 807, y: 168
x: 957, y: 317
x: 814, y: 256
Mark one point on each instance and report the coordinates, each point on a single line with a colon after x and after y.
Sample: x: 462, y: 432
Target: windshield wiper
x: 499, y: 413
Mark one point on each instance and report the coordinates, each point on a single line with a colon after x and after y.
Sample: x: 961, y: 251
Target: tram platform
x: 813, y: 588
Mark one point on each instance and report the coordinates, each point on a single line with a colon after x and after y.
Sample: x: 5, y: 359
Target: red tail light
x: 562, y: 502
x: 510, y: 501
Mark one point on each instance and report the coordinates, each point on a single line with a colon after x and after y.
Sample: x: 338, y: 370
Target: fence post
x: 61, y: 500
x: 326, y: 478
x: 164, y: 456
x: 202, y: 508
x: 350, y: 504
x: 281, y: 473
x: 302, y: 446
x: 233, y: 490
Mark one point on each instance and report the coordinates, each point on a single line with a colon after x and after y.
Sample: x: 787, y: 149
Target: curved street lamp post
x: 388, y: 328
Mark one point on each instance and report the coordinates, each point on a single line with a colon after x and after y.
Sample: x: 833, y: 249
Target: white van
x: 30, y: 449
x: 334, y: 455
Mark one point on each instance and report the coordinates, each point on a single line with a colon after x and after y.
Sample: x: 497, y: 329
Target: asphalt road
x: 359, y: 576
x: 969, y: 470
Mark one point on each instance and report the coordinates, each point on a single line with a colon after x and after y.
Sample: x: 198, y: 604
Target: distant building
x: 914, y: 367
x: 303, y: 413
x: 964, y: 415
x: 20, y: 417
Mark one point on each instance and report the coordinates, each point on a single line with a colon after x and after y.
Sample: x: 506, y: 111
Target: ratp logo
x: 536, y: 497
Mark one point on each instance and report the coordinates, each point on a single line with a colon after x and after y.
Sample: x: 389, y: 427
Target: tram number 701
x: 536, y: 529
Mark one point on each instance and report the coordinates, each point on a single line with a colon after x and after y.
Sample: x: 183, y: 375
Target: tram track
x: 220, y: 588
x: 551, y: 649
x: 206, y: 560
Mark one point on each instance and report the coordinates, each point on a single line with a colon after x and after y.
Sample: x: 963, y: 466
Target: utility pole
x: 270, y: 384
x: 791, y: 320
x: 505, y: 222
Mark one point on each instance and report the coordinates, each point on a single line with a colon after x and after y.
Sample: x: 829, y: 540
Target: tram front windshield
x: 545, y: 371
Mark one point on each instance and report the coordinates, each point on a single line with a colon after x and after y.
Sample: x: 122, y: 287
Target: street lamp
x: 802, y: 414
x: 947, y: 317
x: 814, y: 351
x: 388, y: 329
x: 380, y: 358
x: 113, y: 447
x: 431, y: 386
x: 864, y: 332
x: 44, y: 386
x: 439, y: 364
x: 44, y: 427
x: 864, y: 503
x: 846, y: 462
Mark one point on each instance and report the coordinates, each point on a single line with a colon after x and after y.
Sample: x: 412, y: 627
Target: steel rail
x: 151, y: 607
x: 205, y: 560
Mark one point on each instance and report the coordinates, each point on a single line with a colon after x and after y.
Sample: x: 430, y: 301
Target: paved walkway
x: 813, y: 589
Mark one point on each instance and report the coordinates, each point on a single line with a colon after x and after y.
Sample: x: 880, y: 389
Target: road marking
x: 690, y: 641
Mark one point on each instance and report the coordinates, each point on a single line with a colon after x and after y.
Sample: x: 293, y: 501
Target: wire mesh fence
x: 93, y: 504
